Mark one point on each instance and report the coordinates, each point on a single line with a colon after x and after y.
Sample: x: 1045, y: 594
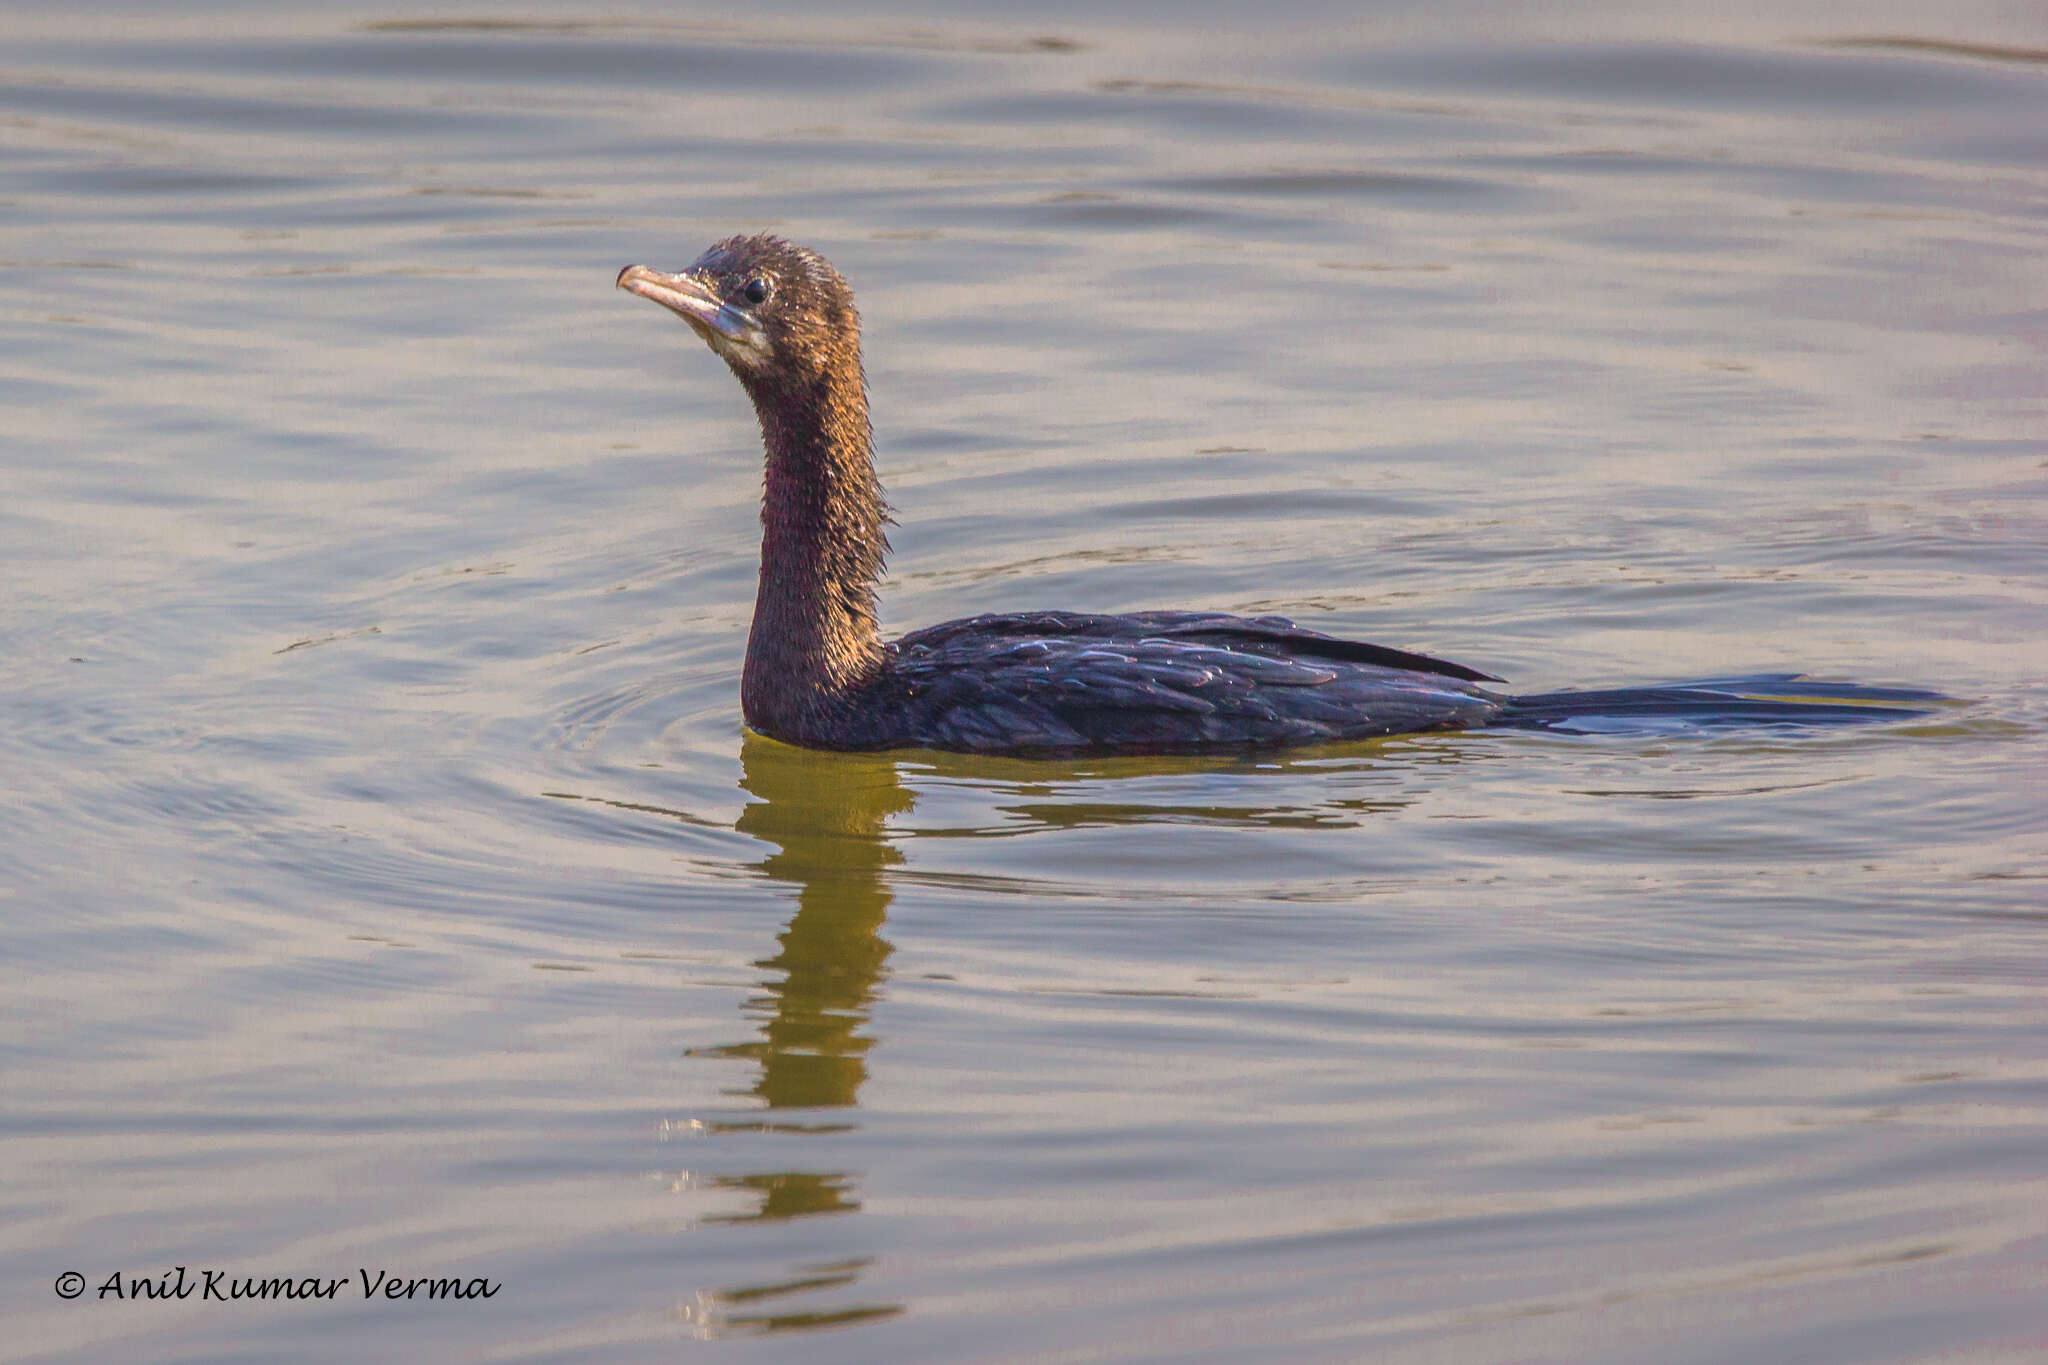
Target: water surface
x: 390, y: 882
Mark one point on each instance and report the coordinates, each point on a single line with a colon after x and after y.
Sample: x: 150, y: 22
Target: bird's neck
x: 822, y: 546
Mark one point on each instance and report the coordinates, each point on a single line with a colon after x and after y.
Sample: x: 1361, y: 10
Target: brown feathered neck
x: 815, y: 638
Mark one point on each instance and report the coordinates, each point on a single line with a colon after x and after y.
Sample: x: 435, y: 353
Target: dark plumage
x: 818, y: 673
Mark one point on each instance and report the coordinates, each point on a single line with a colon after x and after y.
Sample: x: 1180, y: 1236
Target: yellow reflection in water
x: 825, y: 814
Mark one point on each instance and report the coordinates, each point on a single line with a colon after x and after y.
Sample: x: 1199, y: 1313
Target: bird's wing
x: 1271, y: 636
x: 1058, y: 682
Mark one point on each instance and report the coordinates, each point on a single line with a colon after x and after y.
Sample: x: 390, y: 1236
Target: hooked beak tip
x: 689, y: 297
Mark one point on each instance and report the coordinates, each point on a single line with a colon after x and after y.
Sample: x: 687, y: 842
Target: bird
x: 1062, y: 683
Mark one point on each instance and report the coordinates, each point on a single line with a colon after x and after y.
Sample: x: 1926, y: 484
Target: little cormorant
x: 818, y: 672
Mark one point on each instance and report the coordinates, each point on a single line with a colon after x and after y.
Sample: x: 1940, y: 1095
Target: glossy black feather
x: 1067, y: 682
x: 1271, y: 636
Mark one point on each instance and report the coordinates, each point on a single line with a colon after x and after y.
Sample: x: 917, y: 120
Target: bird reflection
x: 825, y: 816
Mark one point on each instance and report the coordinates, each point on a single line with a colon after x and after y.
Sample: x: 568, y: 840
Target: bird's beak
x: 690, y: 299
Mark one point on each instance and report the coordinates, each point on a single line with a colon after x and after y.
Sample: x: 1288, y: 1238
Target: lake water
x: 390, y: 886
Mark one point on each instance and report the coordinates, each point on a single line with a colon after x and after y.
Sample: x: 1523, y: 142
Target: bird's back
x: 1151, y: 682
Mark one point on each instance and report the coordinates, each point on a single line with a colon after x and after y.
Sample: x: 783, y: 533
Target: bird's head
x: 778, y: 313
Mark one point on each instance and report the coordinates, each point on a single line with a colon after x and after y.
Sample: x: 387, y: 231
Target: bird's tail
x: 1772, y: 699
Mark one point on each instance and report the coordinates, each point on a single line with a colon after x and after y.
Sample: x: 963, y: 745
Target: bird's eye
x: 756, y: 290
